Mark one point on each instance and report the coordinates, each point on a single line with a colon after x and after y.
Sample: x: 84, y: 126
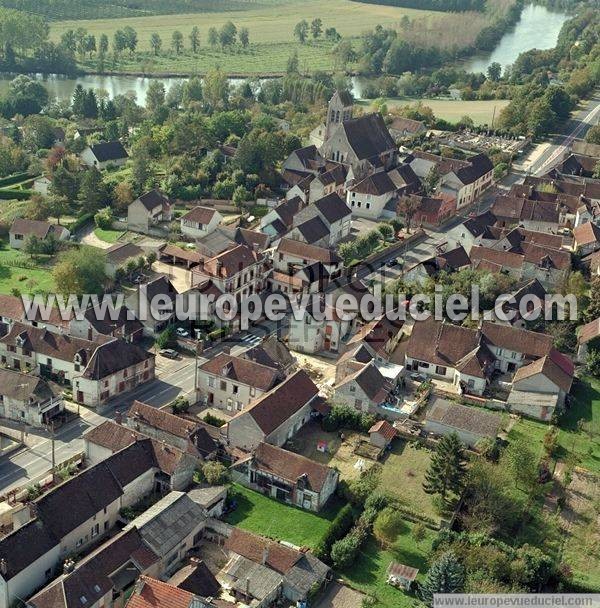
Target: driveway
x: 88, y: 237
x: 340, y: 596
x: 180, y: 277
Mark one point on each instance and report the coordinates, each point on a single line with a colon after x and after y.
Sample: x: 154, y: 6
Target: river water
x: 537, y: 28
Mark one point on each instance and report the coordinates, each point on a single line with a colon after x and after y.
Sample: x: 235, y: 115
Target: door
x: 80, y: 396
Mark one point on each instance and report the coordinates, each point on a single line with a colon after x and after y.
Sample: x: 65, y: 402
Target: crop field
x: 452, y: 110
x: 270, y: 26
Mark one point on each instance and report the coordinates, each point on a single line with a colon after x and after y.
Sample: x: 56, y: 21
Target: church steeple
x: 339, y: 109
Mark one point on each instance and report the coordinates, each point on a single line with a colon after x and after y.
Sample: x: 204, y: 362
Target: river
x: 538, y: 27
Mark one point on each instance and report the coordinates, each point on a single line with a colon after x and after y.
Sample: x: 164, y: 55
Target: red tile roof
x: 156, y: 594
x: 255, y: 548
x: 385, y: 429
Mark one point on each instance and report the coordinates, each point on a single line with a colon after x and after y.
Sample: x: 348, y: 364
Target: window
x: 223, y: 385
x: 234, y: 389
x: 440, y: 370
x: 352, y: 388
x: 252, y: 391
x: 95, y: 530
x: 79, y: 542
x: 211, y: 382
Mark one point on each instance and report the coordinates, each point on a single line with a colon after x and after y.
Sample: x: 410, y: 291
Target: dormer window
x: 20, y: 340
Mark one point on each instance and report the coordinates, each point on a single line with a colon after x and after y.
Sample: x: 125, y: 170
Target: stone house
x: 472, y: 232
x: 74, y: 516
x: 587, y: 337
x: 200, y: 221
x: 123, y: 325
x: 586, y: 238
x: 42, y: 184
x: 171, y: 528
x: 232, y: 383
x: 381, y: 434
x: 260, y: 570
x: 364, y: 388
x: 431, y: 210
x: 333, y: 213
x: 148, y: 211
x: 96, y: 370
x: 239, y: 272
x: 22, y: 228
x: 104, y: 154
x: 463, y: 180
x: 373, y: 197
x: 539, y: 389
x: 276, y: 416
x: 149, y: 303
x: 286, y: 476
x: 470, y: 424
x: 189, y: 436
x: 14, y: 310
x: 28, y: 399
x: 290, y: 257
x: 401, y: 127
x: 104, y: 578
x: 119, y: 255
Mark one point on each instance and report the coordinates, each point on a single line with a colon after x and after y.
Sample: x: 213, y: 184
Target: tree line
x: 433, y: 5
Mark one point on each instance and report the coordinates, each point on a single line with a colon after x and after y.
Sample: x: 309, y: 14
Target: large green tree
x: 446, y: 575
x: 80, y: 271
x: 447, y: 468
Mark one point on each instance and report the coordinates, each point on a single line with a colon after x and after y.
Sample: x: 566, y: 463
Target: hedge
x: 339, y: 527
x: 13, y: 179
x: 18, y: 195
x: 80, y: 222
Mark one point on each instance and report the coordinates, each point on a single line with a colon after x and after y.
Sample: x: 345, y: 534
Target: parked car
x: 418, y: 377
x: 168, y: 353
x: 182, y: 333
x: 391, y: 263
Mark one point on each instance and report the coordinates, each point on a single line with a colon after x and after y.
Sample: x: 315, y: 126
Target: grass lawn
x: 580, y: 425
x: 584, y: 412
x: 108, y: 236
x: 15, y: 272
x: 480, y: 111
x: 368, y: 573
x: 582, y: 545
x: 268, y: 517
x: 403, y: 475
x: 270, y: 26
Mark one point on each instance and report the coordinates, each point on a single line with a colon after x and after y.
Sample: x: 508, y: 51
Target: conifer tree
x: 447, y: 467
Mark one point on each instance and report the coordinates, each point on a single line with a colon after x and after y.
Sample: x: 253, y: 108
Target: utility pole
x: 53, y: 454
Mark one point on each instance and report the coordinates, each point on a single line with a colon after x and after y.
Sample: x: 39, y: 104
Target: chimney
x: 265, y: 556
x: 3, y: 567
x: 119, y: 418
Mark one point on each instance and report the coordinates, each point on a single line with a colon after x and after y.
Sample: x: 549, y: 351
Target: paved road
x: 174, y: 377
x: 575, y: 128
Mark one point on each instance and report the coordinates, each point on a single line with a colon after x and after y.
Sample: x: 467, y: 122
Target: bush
x: 214, y: 473
x: 358, y: 490
x: 388, y: 526
x: 180, y: 406
x: 342, y: 416
x: 214, y: 420
x: 104, y: 218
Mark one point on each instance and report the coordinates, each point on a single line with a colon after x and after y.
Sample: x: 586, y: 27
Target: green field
x: 368, y: 573
x: 403, y: 475
x: 268, y: 517
x: 270, y: 26
x: 19, y: 271
x: 481, y: 112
